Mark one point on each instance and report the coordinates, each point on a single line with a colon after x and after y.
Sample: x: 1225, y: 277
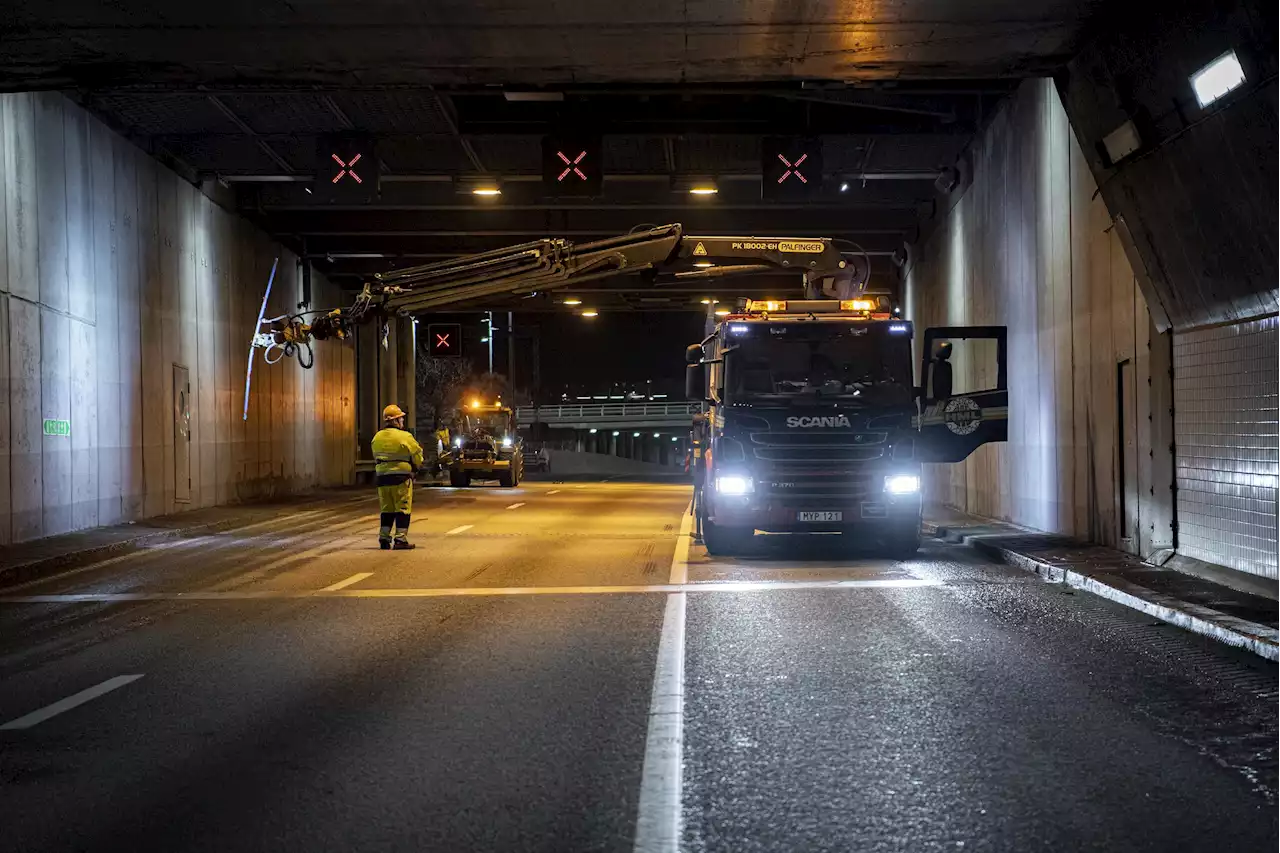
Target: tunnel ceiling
x: 237, y: 94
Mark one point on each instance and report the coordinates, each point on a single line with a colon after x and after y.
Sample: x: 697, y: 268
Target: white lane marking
x: 460, y: 529
x: 72, y: 701
x: 680, y: 562
x: 356, y: 578
x: 658, y: 817
x: 516, y: 506
x: 554, y: 492
x: 457, y: 592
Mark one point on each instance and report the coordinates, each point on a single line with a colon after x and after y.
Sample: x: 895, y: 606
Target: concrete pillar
x: 406, y: 370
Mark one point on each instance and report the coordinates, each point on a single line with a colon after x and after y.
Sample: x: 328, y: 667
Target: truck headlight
x: 733, y: 485
x: 902, y: 484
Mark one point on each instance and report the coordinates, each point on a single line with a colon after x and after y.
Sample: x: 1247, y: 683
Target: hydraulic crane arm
x: 554, y: 263
x: 549, y: 264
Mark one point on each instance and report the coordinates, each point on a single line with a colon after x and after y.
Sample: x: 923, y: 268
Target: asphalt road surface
x: 556, y: 668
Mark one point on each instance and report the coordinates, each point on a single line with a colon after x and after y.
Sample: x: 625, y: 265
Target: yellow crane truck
x: 486, y: 447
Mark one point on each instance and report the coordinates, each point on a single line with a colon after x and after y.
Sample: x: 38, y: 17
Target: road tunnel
x: 541, y: 207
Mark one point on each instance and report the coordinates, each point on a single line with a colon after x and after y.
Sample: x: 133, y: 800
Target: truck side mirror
x: 695, y: 382
x: 693, y: 354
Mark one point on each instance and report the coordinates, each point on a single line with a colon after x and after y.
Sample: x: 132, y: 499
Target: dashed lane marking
x: 73, y: 701
x: 516, y: 506
x: 463, y: 592
x: 354, y: 579
x: 460, y: 529
x: 554, y: 492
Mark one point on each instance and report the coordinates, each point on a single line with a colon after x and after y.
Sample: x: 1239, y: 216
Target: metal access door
x: 181, y: 434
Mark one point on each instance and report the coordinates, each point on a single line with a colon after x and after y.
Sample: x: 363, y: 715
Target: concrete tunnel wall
x: 1027, y: 243
x: 112, y: 270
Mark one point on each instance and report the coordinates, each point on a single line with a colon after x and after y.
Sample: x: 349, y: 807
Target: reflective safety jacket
x: 398, y: 457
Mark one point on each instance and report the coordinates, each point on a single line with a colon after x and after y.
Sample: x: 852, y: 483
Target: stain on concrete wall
x: 112, y: 270
x: 1028, y: 244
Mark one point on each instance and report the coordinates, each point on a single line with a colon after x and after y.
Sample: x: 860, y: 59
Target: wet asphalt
x: 446, y: 700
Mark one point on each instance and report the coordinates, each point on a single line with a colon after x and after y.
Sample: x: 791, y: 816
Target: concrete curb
x: 1259, y: 639
x: 34, y: 569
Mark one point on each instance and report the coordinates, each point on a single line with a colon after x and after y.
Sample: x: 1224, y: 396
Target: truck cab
x: 815, y: 423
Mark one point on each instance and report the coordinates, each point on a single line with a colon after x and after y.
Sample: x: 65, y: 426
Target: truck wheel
x: 726, y: 541
x: 459, y: 480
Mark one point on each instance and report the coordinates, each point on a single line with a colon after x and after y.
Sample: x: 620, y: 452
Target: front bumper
x: 775, y: 514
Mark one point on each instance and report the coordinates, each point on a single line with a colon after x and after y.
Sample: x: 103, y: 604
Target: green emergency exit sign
x: 56, y: 427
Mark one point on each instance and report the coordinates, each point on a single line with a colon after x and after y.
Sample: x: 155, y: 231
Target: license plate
x: 819, y: 516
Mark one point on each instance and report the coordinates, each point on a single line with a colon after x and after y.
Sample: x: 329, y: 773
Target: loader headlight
x: 506, y: 441
x: 902, y: 484
x: 457, y: 442
x: 733, y: 485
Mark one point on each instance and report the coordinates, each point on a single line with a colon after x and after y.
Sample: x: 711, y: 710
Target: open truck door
x: 955, y: 420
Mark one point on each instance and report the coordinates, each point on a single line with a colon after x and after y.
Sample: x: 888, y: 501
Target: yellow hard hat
x: 392, y: 412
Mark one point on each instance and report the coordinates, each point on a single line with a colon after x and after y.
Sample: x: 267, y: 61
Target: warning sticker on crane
x: 700, y: 249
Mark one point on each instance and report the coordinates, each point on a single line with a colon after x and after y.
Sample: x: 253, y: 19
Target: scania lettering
x: 816, y: 423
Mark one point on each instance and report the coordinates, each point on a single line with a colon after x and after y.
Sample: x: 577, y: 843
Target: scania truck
x: 816, y: 425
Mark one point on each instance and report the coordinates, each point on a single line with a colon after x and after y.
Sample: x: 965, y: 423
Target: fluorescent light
x: 703, y: 189
x: 702, y: 265
x: 733, y: 485
x: 573, y: 302
x: 594, y: 430
x: 844, y: 188
x: 706, y: 301
x: 655, y: 435
x: 722, y: 312
x: 486, y: 191
x: 902, y: 484
x: 1217, y: 78
x: 635, y: 435
x: 674, y: 438
x: 616, y: 433
x: 590, y: 313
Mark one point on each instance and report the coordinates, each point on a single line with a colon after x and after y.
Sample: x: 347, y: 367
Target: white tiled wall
x: 1225, y: 425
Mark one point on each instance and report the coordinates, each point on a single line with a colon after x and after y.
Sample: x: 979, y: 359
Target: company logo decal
x: 818, y: 421
x: 962, y: 415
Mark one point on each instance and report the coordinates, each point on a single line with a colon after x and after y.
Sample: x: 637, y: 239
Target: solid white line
x: 460, y: 592
x: 356, y: 578
x: 680, y: 562
x: 554, y: 492
x: 658, y: 817
x: 515, y: 506
x: 72, y: 701
x: 461, y: 529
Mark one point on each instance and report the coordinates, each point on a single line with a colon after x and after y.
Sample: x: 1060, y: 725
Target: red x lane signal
x: 793, y: 168
x: 571, y: 166
x: 444, y: 340
x: 346, y: 169
x: 790, y: 168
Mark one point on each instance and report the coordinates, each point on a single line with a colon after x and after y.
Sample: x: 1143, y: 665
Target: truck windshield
x: 798, y: 364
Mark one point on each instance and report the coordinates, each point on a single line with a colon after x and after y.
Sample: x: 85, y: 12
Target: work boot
x: 384, y: 544
x: 402, y: 545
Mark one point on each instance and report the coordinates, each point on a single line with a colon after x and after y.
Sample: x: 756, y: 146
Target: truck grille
x: 817, y: 468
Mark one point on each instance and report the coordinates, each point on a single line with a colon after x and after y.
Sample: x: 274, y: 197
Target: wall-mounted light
x: 1217, y: 78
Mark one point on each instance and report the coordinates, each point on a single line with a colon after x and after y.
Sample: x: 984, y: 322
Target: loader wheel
x: 507, y: 479
x: 459, y: 479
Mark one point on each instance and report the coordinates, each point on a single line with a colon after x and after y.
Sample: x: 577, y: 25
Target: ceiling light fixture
x: 1217, y: 78
x: 590, y: 313
x: 702, y: 265
x: 703, y: 189
x: 844, y: 187
x: 486, y: 191
x: 572, y: 301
